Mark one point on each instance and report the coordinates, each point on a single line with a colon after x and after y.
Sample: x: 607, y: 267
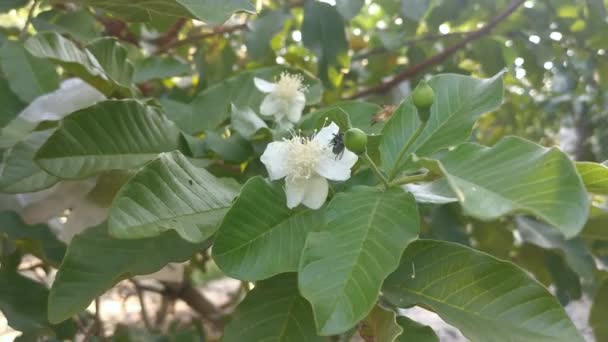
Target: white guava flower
x: 285, y: 100
x: 307, y: 164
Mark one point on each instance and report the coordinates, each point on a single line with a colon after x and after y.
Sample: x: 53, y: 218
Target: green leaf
x: 212, y: 106
x: 380, y: 326
x: 323, y: 33
x: 95, y: 262
x: 210, y: 11
x: 414, y: 9
x: 115, y: 134
x: 599, y: 312
x: 79, y: 24
x: 349, y: 9
x: 83, y: 63
x: 487, y: 299
x: 23, y: 303
x: 575, y: 251
x: 360, y: 115
x: 595, y: 177
x: 459, y: 102
x: 259, y: 236
x: 343, y: 266
x: 19, y: 173
x: 113, y: 58
x: 273, y: 311
x: 159, y: 68
x: 517, y: 176
x: 37, y: 239
x: 169, y: 193
x: 28, y: 76
x: 11, y: 104
x: 261, y: 32
x: 414, y: 331
x: 596, y: 227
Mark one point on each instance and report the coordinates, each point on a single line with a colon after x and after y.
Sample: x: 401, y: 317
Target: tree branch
x: 219, y: 30
x: 440, y: 57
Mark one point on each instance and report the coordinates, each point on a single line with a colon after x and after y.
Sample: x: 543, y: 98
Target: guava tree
x: 343, y: 160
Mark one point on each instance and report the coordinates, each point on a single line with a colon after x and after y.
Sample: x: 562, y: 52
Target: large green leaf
x: 487, y: 299
x: 324, y: 34
x: 115, y: 134
x: 260, y: 236
x: 359, y: 113
x: 18, y: 172
x: 28, y: 76
x: 11, y: 104
x: 159, y: 68
x: 414, y: 331
x: 343, y: 266
x: 95, y: 262
x: 102, y: 69
x: 261, y: 32
x: 212, y: 107
x: 37, y: 239
x: 80, y: 24
x: 23, y: 303
x: 380, y: 326
x: 596, y: 227
x: 599, y: 312
x: 11, y: 4
x: 459, y: 102
x: 273, y: 311
x: 170, y: 193
x: 210, y: 11
x: 575, y: 251
x: 516, y: 175
x: 595, y: 177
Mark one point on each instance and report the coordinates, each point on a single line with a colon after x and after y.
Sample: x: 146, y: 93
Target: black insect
x: 337, y: 145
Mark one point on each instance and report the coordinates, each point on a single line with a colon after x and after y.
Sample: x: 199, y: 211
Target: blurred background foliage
x: 554, y: 53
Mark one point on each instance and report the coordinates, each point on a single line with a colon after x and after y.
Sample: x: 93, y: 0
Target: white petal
x: 273, y: 105
x: 275, y: 159
x: 294, y: 112
x: 294, y: 191
x: 316, y: 192
x: 263, y: 85
x: 326, y: 134
x: 336, y: 167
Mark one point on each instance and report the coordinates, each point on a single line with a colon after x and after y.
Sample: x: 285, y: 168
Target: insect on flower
x: 307, y: 163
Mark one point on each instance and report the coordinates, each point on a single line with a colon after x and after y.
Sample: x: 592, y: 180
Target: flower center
x: 302, y: 157
x: 289, y: 85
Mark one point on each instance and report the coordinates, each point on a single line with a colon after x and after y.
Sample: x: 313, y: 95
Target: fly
x: 337, y: 145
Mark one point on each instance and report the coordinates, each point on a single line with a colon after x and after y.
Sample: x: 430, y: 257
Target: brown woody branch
x: 440, y: 57
x: 218, y: 30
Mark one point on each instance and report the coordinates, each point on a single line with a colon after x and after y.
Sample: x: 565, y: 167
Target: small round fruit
x: 355, y: 140
x: 423, y: 96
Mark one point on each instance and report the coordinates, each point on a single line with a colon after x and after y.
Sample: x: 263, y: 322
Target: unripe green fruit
x: 423, y: 98
x: 355, y: 140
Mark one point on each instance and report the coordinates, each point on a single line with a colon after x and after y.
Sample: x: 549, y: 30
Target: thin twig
x: 219, y: 30
x: 98, y: 322
x: 28, y: 21
x: 440, y: 57
x: 142, y: 304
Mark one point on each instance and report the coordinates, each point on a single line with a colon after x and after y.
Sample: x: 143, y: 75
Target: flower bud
x: 423, y: 98
x: 355, y: 140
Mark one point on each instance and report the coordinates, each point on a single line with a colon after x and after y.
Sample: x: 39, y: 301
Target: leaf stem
x: 375, y: 169
x: 28, y: 21
x: 414, y: 178
x: 408, y: 144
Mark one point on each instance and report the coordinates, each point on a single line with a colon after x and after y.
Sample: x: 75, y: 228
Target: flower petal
x: 336, y: 167
x: 275, y: 159
x: 294, y: 112
x: 273, y: 105
x: 294, y: 191
x: 245, y: 121
x: 263, y: 85
x: 316, y: 192
x: 326, y: 134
